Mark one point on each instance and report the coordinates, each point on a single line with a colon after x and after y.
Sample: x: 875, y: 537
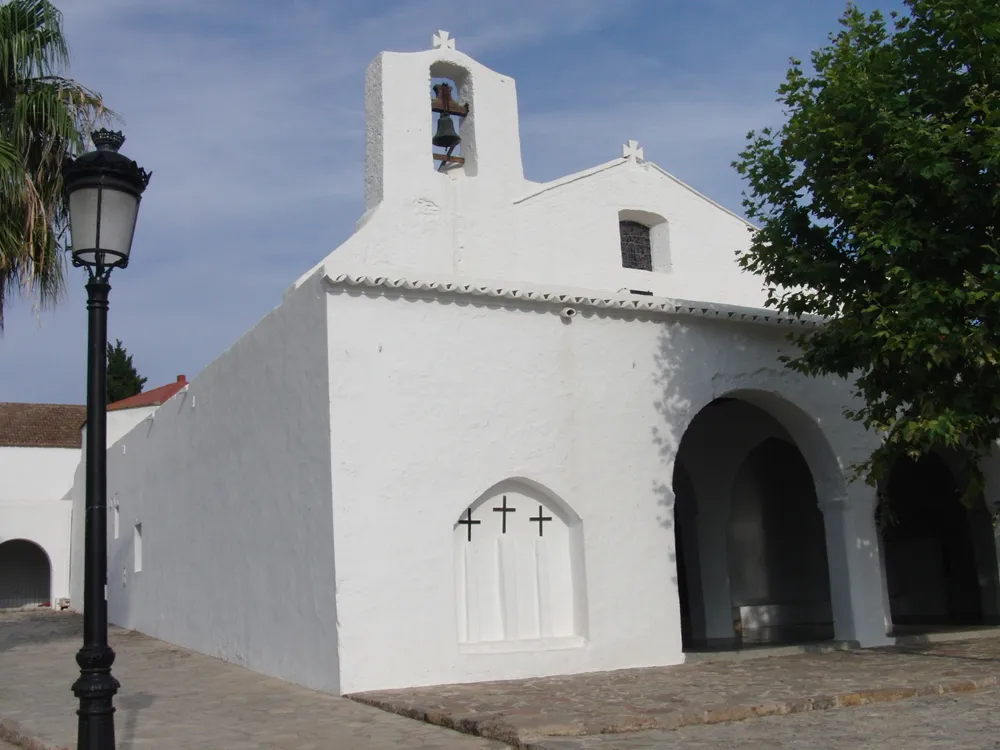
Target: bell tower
x: 434, y: 116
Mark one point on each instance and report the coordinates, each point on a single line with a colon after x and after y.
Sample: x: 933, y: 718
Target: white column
x: 857, y: 578
x: 989, y: 536
x: 984, y: 546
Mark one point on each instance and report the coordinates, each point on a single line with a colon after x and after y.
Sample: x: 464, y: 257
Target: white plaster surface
x: 231, y: 484
x: 457, y: 396
x: 299, y: 504
x: 497, y: 226
x: 34, y: 504
x: 119, y: 423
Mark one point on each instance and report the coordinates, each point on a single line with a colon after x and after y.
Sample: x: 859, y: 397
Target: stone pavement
x: 528, y: 713
x: 173, y: 699
x: 960, y: 721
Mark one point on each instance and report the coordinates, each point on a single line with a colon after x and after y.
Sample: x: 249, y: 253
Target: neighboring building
x: 511, y: 429
x: 39, y: 451
x: 40, y: 465
x: 123, y: 416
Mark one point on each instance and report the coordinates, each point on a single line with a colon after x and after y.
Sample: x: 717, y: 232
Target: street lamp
x: 103, y: 189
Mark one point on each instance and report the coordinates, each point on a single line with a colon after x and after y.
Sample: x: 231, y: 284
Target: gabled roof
x: 545, y: 187
x: 154, y: 397
x: 41, y: 425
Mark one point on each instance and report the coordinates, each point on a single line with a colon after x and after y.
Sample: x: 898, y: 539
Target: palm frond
x: 31, y: 40
x: 44, y: 119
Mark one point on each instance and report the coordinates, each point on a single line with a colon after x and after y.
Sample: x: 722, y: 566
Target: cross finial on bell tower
x: 443, y: 40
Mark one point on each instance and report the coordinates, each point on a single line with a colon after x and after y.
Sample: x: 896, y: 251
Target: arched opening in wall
x: 645, y: 241
x: 751, y: 541
x: 25, y: 575
x: 940, y: 558
x: 453, y: 141
x: 519, y: 571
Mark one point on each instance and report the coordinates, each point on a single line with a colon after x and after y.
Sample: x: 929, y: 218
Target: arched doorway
x: 934, y: 557
x: 778, y: 575
x: 751, y: 541
x: 25, y: 575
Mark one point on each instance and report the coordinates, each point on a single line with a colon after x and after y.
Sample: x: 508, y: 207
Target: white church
x: 511, y: 429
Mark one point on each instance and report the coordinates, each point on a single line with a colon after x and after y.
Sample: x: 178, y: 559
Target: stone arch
x: 731, y: 445
x: 519, y: 570
x: 460, y: 77
x: 807, y: 435
x: 25, y: 574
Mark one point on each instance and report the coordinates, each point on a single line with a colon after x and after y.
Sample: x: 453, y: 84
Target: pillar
x: 858, y: 590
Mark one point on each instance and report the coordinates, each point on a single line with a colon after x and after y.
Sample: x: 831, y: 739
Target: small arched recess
x: 25, y: 575
x: 519, y: 571
x: 645, y: 240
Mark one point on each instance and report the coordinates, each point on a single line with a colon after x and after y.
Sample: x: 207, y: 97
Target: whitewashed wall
x: 231, y: 484
x: 487, y: 223
x: 119, y: 423
x: 408, y: 411
x: 34, y: 504
x: 438, y: 400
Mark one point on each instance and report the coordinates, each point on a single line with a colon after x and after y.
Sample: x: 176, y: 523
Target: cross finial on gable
x: 632, y: 151
x: 443, y: 40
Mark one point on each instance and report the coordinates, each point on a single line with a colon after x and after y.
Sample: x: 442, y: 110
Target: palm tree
x: 44, y: 119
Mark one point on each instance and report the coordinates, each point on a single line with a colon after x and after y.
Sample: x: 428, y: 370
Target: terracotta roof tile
x: 41, y: 425
x: 154, y: 397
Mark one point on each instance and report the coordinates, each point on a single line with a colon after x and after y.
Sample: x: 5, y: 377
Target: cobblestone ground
x: 528, y: 711
x: 968, y: 721
x: 176, y: 699
x: 173, y: 699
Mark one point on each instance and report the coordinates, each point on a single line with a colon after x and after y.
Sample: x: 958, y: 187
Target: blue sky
x: 250, y: 115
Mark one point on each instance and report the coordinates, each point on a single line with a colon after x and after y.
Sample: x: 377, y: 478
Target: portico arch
x: 940, y: 557
x: 751, y: 475
x: 25, y: 575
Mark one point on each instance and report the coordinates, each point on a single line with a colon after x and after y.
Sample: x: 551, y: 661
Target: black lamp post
x: 103, y: 189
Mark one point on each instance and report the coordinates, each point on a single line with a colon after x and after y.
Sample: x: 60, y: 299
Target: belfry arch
x: 751, y: 540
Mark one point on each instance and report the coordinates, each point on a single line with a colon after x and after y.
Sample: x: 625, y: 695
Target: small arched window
x: 637, y: 250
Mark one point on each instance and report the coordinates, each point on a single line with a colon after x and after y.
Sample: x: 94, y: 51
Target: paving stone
x: 968, y: 721
x: 173, y: 699
x: 528, y: 711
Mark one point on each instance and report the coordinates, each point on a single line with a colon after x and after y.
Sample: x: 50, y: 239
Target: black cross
x: 505, y: 510
x: 541, y: 519
x: 468, y: 522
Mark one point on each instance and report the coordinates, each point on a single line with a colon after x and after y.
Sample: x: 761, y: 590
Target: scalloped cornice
x: 657, y: 306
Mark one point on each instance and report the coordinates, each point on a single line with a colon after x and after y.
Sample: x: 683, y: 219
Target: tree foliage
x: 878, y: 207
x: 44, y: 118
x: 123, y: 378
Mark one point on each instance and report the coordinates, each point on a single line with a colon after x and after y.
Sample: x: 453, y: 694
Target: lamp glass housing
x: 102, y: 222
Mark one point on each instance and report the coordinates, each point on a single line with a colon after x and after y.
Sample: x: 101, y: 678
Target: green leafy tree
x: 44, y: 118
x: 123, y: 378
x: 878, y: 206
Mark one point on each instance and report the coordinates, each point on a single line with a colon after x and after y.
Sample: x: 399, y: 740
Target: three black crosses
x: 469, y: 523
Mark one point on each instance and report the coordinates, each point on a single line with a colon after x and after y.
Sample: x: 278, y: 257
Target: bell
x: 446, y: 137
